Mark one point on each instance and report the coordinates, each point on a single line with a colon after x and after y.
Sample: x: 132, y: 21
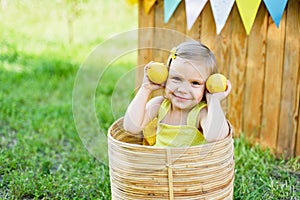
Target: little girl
x: 187, y: 115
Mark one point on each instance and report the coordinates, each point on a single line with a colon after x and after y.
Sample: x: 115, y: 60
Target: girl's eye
x: 176, y: 78
x: 196, y: 83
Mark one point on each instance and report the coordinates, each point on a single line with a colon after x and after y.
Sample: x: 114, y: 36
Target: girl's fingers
x: 229, y: 87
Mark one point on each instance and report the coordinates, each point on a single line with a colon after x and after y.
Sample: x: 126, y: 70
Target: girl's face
x: 185, y: 85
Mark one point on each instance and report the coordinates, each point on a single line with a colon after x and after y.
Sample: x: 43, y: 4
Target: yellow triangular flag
x: 148, y: 4
x: 248, y: 10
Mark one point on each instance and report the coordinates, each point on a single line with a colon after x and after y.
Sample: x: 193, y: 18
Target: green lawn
x: 41, y: 153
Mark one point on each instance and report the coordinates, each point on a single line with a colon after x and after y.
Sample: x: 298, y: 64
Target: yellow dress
x: 174, y: 135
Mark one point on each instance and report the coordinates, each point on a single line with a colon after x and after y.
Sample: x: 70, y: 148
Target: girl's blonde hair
x: 195, y: 52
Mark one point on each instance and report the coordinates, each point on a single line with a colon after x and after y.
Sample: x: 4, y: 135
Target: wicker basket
x: 145, y: 172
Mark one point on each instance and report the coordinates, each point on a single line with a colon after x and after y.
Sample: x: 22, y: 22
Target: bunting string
x: 221, y: 10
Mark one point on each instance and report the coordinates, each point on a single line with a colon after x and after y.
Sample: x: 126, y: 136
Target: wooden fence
x: 263, y: 68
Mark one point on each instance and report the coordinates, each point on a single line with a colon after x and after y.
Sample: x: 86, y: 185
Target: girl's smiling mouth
x: 180, y: 98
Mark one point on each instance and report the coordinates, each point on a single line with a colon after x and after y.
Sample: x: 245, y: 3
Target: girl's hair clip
x: 173, y: 53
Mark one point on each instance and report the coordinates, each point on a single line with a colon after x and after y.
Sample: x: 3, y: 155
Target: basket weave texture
x: 145, y: 172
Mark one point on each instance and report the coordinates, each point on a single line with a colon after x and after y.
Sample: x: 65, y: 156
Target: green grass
x: 259, y: 175
x: 41, y: 153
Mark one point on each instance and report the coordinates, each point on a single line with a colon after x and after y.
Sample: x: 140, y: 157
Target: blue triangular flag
x: 169, y: 8
x: 276, y: 9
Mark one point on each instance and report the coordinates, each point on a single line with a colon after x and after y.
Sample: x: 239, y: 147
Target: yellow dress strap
x: 163, y: 110
x: 193, y: 114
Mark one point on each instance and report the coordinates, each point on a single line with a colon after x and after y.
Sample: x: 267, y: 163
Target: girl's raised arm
x: 214, y: 123
x: 139, y: 113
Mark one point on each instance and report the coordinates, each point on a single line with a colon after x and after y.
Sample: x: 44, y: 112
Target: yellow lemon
x: 216, y: 83
x: 157, y: 73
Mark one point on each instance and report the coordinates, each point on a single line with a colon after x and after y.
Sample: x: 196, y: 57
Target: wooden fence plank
x: 178, y: 23
x: 145, y: 39
x: 237, y: 70
x: 297, y: 149
x: 288, y: 105
x: 208, y: 30
x: 223, y: 56
x: 253, y: 94
x: 272, y: 84
x: 158, y: 55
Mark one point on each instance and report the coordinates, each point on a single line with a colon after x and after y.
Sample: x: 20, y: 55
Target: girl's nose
x: 183, y: 87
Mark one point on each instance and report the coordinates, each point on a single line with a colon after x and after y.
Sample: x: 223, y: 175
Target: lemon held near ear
x: 216, y: 83
x: 157, y: 73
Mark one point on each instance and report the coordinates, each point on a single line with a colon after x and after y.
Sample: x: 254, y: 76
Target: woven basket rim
x: 110, y: 137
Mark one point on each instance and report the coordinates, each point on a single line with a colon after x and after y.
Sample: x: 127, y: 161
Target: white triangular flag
x: 193, y: 10
x: 221, y: 10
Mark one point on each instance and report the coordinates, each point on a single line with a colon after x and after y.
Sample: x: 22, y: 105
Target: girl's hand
x: 219, y: 95
x: 147, y: 84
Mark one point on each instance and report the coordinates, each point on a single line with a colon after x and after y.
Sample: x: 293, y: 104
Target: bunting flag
x: 221, y: 10
x: 276, y: 9
x: 148, y: 4
x: 193, y: 10
x: 248, y: 10
x: 169, y: 8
